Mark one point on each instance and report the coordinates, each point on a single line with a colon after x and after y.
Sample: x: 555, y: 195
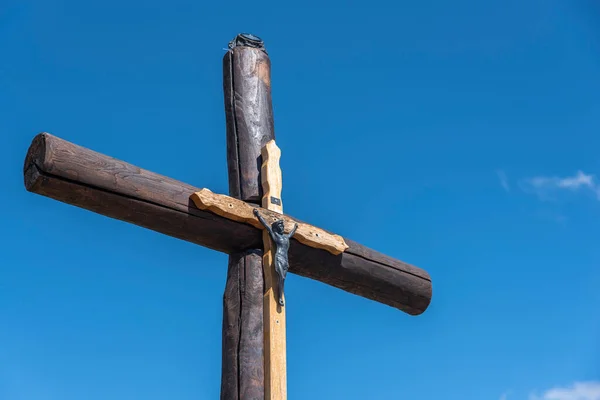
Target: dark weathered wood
x: 84, y: 178
x: 249, y: 115
x: 75, y: 175
x: 251, y: 335
x: 242, y: 376
x: 230, y: 369
x: 249, y: 121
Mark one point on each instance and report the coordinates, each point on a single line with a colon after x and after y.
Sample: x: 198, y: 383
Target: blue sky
x: 458, y: 136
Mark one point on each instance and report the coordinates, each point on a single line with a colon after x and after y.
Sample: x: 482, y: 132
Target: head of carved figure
x: 278, y: 226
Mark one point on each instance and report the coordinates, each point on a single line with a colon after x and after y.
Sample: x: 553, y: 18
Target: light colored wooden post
x: 273, y: 314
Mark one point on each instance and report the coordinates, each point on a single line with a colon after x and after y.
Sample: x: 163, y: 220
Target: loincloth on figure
x: 281, y: 263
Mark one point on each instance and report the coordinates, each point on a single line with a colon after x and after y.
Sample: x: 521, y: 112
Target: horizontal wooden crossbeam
x: 75, y: 175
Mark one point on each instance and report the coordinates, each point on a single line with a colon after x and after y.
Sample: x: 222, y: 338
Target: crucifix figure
x: 248, y: 225
x: 282, y: 245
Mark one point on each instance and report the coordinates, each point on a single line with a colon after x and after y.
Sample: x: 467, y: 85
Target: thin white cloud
x: 546, y: 187
x: 504, y: 396
x: 571, y: 182
x: 504, y: 183
x: 577, y: 391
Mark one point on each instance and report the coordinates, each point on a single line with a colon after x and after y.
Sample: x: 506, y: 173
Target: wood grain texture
x: 242, y: 377
x: 240, y: 211
x: 81, y: 177
x: 271, y: 179
x: 274, y: 314
x: 249, y: 114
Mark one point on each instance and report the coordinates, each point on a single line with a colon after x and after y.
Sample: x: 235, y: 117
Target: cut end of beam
x: 34, y: 159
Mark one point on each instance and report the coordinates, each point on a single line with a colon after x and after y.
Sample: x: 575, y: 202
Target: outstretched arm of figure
x: 293, y: 231
x: 262, y: 221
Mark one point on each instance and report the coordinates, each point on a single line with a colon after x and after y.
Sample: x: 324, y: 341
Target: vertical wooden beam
x: 274, y: 314
x: 249, y: 112
x: 242, y: 359
x: 249, y: 117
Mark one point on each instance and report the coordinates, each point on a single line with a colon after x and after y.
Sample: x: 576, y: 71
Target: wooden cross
x: 253, y: 364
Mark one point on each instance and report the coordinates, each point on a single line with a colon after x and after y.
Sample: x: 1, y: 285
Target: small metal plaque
x: 275, y: 201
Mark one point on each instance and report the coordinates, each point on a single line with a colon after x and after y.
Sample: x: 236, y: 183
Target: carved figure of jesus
x: 282, y: 245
